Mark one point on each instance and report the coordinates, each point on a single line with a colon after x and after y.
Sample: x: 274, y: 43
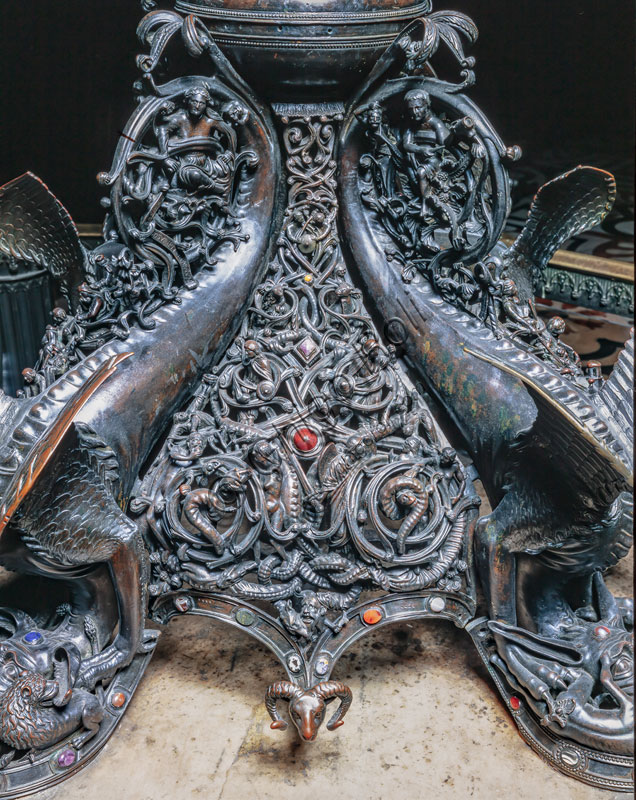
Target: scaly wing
x: 570, y: 436
x: 617, y: 392
x: 43, y: 449
x: 564, y: 207
x: 35, y: 227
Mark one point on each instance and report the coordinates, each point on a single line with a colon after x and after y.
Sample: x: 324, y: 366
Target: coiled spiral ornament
x: 399, y: 516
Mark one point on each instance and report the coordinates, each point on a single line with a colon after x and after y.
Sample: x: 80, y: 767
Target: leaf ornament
x: 156, y: 29
x: 449, y: 27
x: 452, y: 25
x: 195, y: 36
x: 419, y: 51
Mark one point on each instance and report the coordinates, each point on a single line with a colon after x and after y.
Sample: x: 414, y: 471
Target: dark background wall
x: 552, y: 74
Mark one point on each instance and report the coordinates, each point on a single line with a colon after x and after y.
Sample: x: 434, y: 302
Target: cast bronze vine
x: 236, y: 412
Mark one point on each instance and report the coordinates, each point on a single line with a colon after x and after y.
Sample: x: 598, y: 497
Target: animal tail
x: 564, y: 207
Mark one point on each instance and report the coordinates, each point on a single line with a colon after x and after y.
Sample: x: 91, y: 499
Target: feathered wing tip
x: 35, y: 227
x: 19, y: 482
x: 564, y: 207
x: 617, y: 394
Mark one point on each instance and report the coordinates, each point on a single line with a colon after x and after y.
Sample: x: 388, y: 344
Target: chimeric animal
x: 33, y: 716
x: 554, y: 453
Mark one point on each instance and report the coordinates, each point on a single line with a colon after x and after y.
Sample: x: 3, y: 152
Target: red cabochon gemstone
x: 305, y: 439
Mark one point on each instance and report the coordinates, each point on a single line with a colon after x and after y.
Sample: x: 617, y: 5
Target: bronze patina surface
x: 293, y: 49
x: 273, y: 387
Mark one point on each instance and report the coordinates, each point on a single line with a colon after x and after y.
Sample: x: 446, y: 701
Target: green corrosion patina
x: 476, y: 396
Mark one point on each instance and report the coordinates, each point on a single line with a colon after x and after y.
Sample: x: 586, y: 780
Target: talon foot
x: 101, y: 666
x: 149, y: 640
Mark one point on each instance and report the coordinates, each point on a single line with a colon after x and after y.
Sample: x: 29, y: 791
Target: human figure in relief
x: 424, y: 142
x: 201, y: 165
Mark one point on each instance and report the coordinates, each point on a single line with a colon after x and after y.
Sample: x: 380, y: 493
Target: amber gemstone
x: 515, y: 703
x: 118, y: 700
x: 372, y: 615
x: 305, y: 439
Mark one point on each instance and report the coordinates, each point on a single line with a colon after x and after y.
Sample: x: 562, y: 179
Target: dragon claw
x: 149, y: 640
x: 104, y: 665
x: 558, y: 710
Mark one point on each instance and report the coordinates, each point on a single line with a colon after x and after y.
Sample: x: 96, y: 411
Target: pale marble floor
x: 425, y: 722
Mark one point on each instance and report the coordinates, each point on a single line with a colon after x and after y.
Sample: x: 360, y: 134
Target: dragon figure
x: 71, y: 448
x: 551, y: 440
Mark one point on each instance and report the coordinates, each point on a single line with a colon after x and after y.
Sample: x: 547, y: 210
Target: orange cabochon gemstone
x: 371, y: 616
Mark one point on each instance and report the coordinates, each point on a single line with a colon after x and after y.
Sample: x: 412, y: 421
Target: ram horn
x: 281, y: 690
x: 329, y: 689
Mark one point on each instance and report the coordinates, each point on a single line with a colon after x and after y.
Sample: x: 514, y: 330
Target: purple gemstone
x: 33, y: 637
x: 307, y: 348
x: 66, y: 758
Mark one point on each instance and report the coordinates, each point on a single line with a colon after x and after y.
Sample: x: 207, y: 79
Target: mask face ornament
x: 218, y: 426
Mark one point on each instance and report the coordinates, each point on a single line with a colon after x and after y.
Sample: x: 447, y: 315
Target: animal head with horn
x: 307, y: 707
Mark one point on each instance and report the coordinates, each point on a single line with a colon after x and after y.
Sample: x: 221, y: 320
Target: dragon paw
x: 558, y: 710
x: 104, y: 665
x: 526, y: 658
x: 117, y: 655
x: 101, y: 667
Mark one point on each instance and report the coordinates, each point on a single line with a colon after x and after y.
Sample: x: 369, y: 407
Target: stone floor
x: 425, y: 720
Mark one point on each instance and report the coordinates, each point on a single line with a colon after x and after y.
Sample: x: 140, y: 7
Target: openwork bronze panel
x: 274, y: 386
